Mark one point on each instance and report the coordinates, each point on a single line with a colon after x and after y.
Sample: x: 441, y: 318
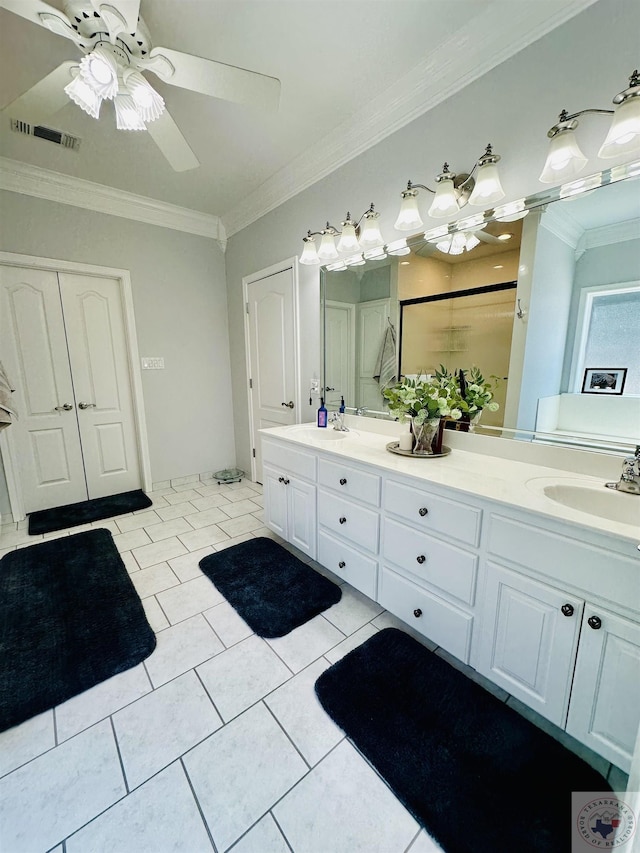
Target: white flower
x: 456, y: 414
x: 493, y: 407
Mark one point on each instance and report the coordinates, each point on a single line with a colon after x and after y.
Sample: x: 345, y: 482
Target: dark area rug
x: 71, y: 515
x: 477, y: 775
x: 273, y: 591
x: 69, y: 618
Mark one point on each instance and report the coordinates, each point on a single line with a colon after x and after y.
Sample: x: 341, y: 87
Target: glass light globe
x: 409, y: 215
x: 327, y: 250
x: 565, y: 160
x: 488, y: 189
x: 445, y: 202
x: 309, y: 255
x: 99, y: 70
x: 127, y: 115
x: 149, y: 103
x: 84, y: 96
x: 370, y: 236
x: 348, y: 241
x: 624, y: 133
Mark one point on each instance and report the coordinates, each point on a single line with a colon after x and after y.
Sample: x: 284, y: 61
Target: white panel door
x: 529, y: 638
x: 34, y: 352
x: 372, y: 325
x: 97, y: 343
x: 605, y: 700
x: 272, y: 354
x: 339, y: 336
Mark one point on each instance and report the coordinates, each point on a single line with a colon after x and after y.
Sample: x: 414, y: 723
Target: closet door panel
x: 98, y: 353
x: 34, y: 352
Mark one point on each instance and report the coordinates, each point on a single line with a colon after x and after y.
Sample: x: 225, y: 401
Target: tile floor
x: 216, y: 742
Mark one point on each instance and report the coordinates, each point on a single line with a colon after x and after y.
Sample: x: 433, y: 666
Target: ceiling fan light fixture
x: 149, y: 103
x: 84, y: 96
x: 127, y: 115
x: 471, y: 241
x: 100, y: 70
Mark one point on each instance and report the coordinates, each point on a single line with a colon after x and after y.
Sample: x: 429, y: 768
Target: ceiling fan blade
x: 44, y: 99
x: 121, y: 16
x: 44, y: 15
x: 487, y: 238
x: 167, y: 136
x: 214, y: 78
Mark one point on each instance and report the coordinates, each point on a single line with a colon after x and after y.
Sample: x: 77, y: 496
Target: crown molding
x: 27, y: 179
x: 483, y: 43
x: 562, y: 225
x: 606, y: 235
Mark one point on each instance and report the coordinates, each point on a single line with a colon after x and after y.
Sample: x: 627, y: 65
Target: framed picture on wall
x: 604, y: 380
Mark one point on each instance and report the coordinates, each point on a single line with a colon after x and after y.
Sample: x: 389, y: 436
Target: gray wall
x: 581, y: 64
x: 180, y: 304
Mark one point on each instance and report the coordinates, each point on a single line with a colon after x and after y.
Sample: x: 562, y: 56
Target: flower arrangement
x: 423, y: 399
x: 475, y: 393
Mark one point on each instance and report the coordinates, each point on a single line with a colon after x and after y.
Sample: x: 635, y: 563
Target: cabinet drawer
x: 352, y: 522
x: 438, y: 620
x: 350, y: 482
x: 448, y: 567
x: 443, y: 516
x: 360, y: 571
x: 285, y: 457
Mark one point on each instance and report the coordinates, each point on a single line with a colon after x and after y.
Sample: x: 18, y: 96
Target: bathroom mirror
x: 534, y: 309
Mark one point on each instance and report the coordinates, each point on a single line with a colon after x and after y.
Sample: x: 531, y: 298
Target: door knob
x: 289, y: 405
x: 567, y: 610
x: 86, y: 405
x: 66, y: 407
x: 594, y: 622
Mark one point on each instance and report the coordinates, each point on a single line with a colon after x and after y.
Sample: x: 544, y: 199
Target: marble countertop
x: 517, y: 484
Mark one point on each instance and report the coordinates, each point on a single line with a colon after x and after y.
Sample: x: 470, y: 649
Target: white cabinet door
x: 605, y: 700
x: 528, y: 642
x: 275, y: 501
x: 301, y: 515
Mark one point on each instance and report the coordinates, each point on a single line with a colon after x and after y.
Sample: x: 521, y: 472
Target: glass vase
x: 424, y: 436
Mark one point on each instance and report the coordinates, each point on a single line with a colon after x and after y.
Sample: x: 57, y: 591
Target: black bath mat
x: 476, y: 774
x: 69, y: 618
x: 71, y: 515
x: 273, y: 591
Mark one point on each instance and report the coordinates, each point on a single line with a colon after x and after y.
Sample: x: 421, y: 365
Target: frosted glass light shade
x: 488, y: 189
x: 149, y: 103
x: 624, y: 133
x: 565, y: 160
x: 348, y: 241
x: 370, y: 236
x: 83, y: 95
x: 409, y: 215
x: 445, y: 202
x: 458, y: 243
x: 309, y: 254
x: 511, y: 212
x: 100, y: 70
x: 127, y: 115
x: 327, y: 250
x: 471, y: 241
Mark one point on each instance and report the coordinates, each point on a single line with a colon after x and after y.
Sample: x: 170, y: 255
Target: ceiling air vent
x: 48, y: 133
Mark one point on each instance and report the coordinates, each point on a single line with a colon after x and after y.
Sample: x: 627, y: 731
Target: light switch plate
x: 156, y: 363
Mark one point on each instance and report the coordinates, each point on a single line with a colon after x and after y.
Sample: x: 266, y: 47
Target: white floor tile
x: 128, y: 541
x: 238, y: 526
x: 227, y: 624
x: 20, y: 744
x: 233, y: 510
x: 229, y: 543
x: 208, y: 488
x: 159, y: 817
x: 239, y: 494
x: 187, y: 567
x: 255, y: 764
x: 157, y: 501
x: 169, y: 512
x: 181, y: 497
x: 352, y: 642
x: 198, y: 539
x: 160, y: 727
x: 243, y: 674
x: 52, y: 796
x: 157, y: 552
x: 207, y: 517
x: 11, y: 536
x: 343, y: 806
x: 154, y: 579
x: 154, y: 614
x: 306, y: 643
x: 352, y: 611
x: 264, y: 837
x: 111, y: 526
x: 188, y: 598
x: 301, y: 715
x: 166, y: 529
x: 88, y: 708
x: 181, y: 648
x: 209, y: 501
x: 134, y: 522
x: 130, y: 562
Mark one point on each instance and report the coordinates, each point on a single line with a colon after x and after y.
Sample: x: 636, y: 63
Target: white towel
x: 7, y: 412
x: 385, y: 371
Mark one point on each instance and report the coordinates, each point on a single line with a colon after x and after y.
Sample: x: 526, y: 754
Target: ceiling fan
x: 117, y: 48
x: 460, y: 241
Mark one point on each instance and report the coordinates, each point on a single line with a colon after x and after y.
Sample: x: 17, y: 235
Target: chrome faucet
x: 337, y: 419
x: 361, y: 410
x: 629, y: 481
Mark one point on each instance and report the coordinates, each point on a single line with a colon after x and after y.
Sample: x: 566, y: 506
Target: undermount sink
x: 323, y: 434
x: 593, y: 499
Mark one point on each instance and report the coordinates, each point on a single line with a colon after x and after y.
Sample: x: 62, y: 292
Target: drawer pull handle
x: 343, y: 481
x: 421, y: 559
x: 342, y: 519
x: 594, y: 622
x: 423, y: 511
x: 567, y: 609
x: 417, y: 613
x: 341, y: 564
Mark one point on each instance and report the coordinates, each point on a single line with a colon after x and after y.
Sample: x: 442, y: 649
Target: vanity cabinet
x: 290, y: 495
